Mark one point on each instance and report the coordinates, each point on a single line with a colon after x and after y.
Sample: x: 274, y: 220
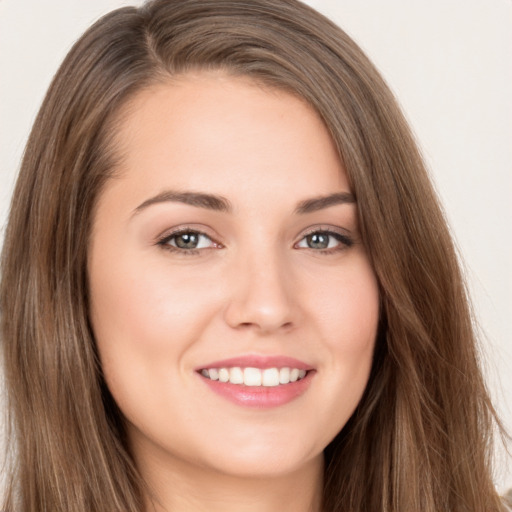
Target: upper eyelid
x: 163, y: 241
x: 173, y: 234
x: 344, y: 236
x: 169, y: 233
x: 325, y: 229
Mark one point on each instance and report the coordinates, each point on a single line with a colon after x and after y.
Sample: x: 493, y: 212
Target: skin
x: 255, y: 286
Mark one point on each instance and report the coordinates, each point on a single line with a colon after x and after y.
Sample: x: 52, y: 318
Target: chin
x: 265, y: 457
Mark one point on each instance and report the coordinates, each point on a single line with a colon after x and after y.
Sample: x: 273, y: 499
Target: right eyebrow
x: 321, y: 202
x: 198, y: 199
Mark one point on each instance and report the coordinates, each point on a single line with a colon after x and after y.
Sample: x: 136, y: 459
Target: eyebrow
x: 221, y: 204
x: 198, y: 199
x: 319, y: 203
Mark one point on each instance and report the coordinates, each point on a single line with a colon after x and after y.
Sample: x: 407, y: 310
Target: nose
x: 261, y: 296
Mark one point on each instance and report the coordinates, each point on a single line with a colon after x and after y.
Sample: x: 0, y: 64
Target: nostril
x: 264, y: 327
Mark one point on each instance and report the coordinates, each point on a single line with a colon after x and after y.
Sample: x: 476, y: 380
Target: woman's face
x: 232, y: 300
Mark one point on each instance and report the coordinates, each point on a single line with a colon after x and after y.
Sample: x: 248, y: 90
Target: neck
x: 181, y: 488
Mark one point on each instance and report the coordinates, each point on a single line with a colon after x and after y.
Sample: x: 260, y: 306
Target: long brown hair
x: 421, y: 437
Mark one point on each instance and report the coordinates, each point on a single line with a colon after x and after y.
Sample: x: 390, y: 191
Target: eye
x: 187, y: 240
x: 324, y: 240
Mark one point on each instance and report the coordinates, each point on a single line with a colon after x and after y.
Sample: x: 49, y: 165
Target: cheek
x: 347, y: 309
x: 145, y: 317
x: 347, y: 316
x: 145, y: 303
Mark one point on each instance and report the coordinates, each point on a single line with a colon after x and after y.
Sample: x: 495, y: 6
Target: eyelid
x: 323, y: 228
x: 342, y: 235
x: 168, y: 234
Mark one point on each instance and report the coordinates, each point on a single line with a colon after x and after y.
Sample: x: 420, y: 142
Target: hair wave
x: 421, y: 437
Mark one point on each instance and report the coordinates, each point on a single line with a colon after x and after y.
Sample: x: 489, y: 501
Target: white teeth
x: 223, y: 375
x: 236, y: 375
x: 252, y: 377
x: 284, y: 375
x: 268, y: 377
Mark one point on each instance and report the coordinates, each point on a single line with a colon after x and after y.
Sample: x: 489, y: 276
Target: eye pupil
x: 318, y: 241
x: 187, y: 240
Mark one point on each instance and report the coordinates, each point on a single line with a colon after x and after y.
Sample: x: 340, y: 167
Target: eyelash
x: 164, y: 242
x: 345, y: 241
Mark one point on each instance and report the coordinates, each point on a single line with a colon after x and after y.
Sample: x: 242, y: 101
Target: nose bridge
x: 261, y: 293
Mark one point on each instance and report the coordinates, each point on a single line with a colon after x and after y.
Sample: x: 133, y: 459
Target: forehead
x: 225, y: 134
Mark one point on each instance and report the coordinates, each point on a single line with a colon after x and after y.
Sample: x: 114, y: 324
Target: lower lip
x: 260, y: 396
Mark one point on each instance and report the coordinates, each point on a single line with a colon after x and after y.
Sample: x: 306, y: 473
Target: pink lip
x: 259, y: 396
x: 257, y: 361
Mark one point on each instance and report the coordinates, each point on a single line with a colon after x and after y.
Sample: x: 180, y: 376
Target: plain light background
x: 449, y: 62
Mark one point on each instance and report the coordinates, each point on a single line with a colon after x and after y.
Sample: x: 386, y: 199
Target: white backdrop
x: 450, y: 65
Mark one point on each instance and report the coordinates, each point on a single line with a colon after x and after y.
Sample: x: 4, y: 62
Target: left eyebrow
x: 197, y: 199
x: 319, y: 203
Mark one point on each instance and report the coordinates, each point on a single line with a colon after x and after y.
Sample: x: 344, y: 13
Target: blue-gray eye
x: 188, y: 240
x: 321, y: 240
x: 318, y: 240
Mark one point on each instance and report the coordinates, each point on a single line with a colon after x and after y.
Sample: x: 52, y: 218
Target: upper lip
x: 258, y: 361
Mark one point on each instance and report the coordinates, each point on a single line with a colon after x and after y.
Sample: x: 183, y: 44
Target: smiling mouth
x: 255, y: 377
